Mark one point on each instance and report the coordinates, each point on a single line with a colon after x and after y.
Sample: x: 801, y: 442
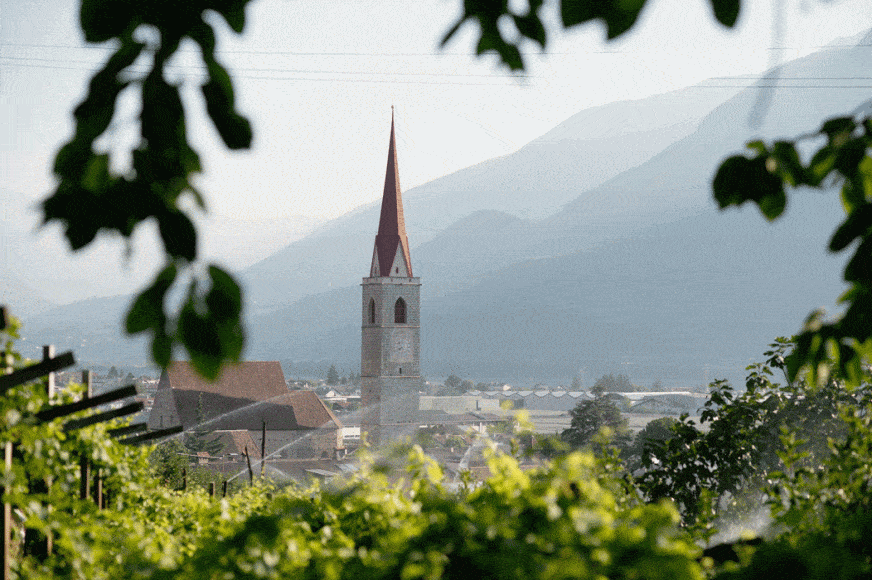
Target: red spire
x: 392, y: 225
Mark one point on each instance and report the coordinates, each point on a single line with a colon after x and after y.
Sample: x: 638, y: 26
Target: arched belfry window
x: 400, y: 311
x: 371, y: 311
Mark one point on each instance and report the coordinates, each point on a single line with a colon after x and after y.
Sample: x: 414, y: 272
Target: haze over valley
x: 594, y: 248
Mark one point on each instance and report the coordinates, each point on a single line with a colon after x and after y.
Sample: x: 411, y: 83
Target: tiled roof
x: 287, y: 412
x: 244, y: 397
x: 237, y: 441
x: 309, y: 410
x: 254, y: 380
x: 392, y: 224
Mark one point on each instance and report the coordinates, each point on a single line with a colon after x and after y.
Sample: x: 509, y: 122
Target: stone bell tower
x: 390, y: 318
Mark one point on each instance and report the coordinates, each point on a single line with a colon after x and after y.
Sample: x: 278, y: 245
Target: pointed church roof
x: 392, y: 225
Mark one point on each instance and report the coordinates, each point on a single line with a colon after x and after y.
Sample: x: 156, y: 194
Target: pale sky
x: 317, y: 79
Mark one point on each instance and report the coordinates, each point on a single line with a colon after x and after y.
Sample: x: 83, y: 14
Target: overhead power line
x: 105, y: 48
x: 778, y: 83
x: 280, y: 70
x: 307, y: 79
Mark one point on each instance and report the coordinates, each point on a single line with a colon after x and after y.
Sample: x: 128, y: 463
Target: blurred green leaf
x: 163, y: 128
x: 96, y: 177
x: 102, y: 20
x: 789, y: 165
x: 856, y: 320
x: 857, y: 224
x: 199, y: 335
x: 740, y: 179
x: 162, y: 348
x: 224, y: 299
x: 492, y: 41
x: 235, y: 130
x: 820, y: 166
x: 731, y: 181
x: 618, y: 15
x: 726, y: 11
x: 531, y: 27
x: 147, y: 311
x: 772, y: 204
x: 178, y: 234
x: 859, y: 268
x: 849, y: 155
x: 233, y: 12
x: 838, y: 126
x: 855, y: 187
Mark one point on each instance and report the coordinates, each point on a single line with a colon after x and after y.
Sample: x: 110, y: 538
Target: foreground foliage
x: 579, y: 515
x: 724, y: 464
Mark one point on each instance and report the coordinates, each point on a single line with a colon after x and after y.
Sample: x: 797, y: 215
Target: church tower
x: 390, y: 370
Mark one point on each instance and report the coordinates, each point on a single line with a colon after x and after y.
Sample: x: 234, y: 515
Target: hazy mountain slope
x: 698, y: 297
x: 640, y: 269
x: 708, y: 291
x: 92, y: 329
x: 587, y: 149
x: 22, y: 300
x: 616, y: 168
x: 650, y: 274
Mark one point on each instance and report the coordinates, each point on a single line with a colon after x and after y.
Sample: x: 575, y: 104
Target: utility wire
x: 407, y: 54
x: 251, y: 73
x: 235, y: 69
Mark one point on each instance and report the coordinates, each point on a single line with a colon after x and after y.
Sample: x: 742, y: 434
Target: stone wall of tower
x: 390, y: 359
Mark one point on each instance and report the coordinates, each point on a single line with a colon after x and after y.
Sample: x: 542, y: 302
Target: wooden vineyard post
x: 212, y: 489
x: 88, y: 381
x: 6, y: 518
x: 84, y: 478
x: 48, y: 352
x: 224, y: 491
x: 36, y: 543
x: 7, y: 515
x: 84, y: 464
x: 263, y: 450
x: 98, y: 492
x: 250, y: 470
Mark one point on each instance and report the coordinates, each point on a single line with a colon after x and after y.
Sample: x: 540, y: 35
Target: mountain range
x: 595, y: 248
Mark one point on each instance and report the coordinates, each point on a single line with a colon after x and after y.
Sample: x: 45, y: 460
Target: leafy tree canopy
x: 589, y: 417
x: 453, y: 383
x: 332, y: 376
x: 738, y: 444
x: 612, y: 384
x: 199, y: 438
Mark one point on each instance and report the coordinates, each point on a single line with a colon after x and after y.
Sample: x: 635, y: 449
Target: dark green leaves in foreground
x: 91, y: 197
x: 619, y: 16
x: 208, y: 323
x: 843, y: 345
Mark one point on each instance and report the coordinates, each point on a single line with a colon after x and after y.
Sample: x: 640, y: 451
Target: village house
x: 250, y: 396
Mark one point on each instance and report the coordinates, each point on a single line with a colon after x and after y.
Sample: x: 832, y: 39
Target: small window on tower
x: 400, y: 311
x: 397, y: 270
x: 371, y: 311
